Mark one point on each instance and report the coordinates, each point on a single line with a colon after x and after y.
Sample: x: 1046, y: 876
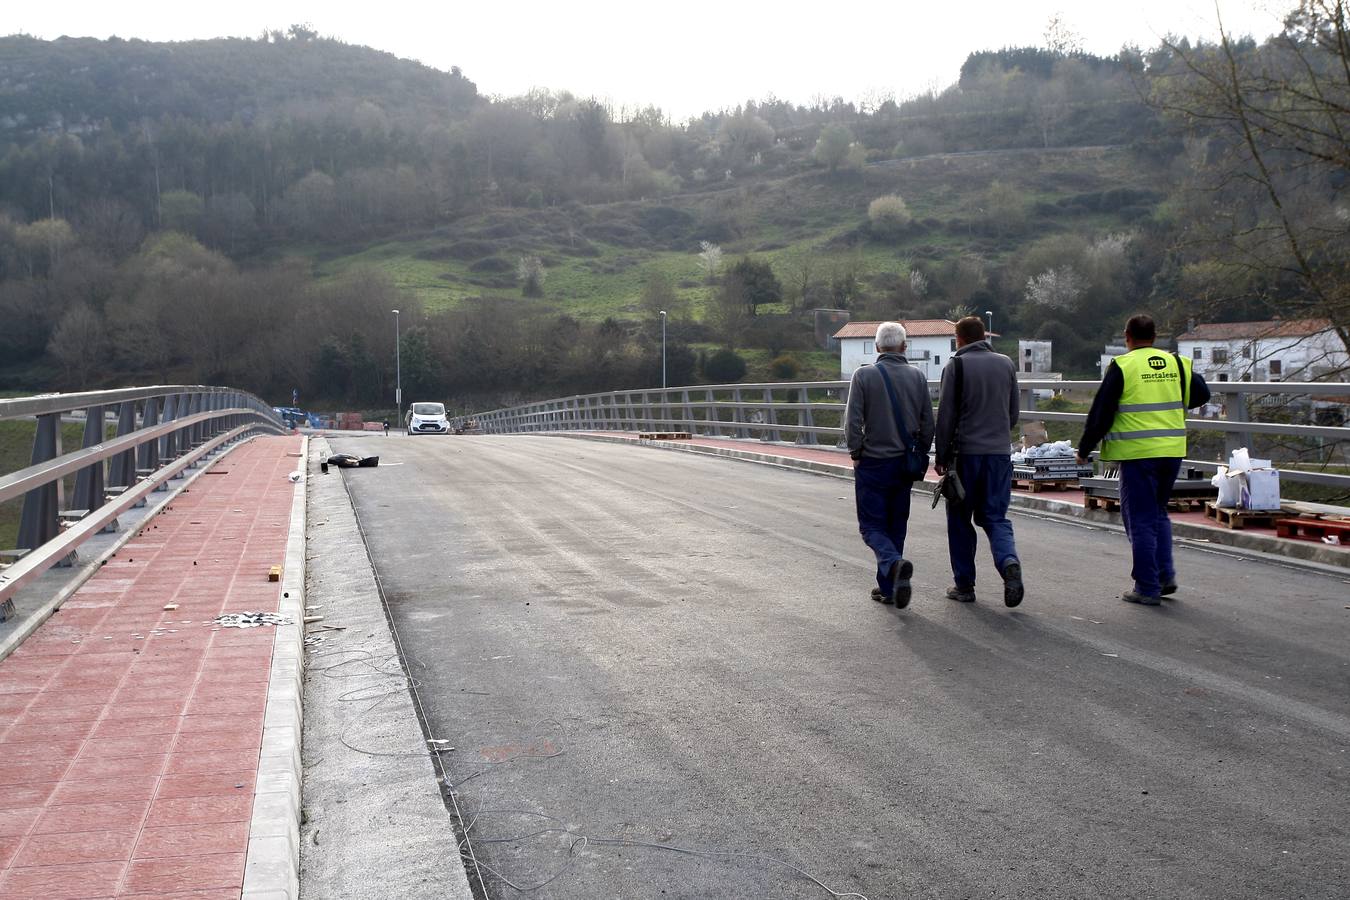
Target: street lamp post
x: 398, y: 371
x: 989, y: 315
x: 663, y: 349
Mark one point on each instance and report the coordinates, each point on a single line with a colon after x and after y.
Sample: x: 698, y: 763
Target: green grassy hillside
x: 596, y: 257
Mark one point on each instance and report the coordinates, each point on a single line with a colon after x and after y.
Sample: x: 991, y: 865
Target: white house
x: 1110, y: 352
x: 1280, y: 350
x: 1034, y: 357
x: 931, y: 342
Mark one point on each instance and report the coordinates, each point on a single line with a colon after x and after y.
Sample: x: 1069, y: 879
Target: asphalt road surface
x: 630, y: 648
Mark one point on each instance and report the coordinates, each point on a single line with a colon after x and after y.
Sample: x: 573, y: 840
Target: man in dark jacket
x: 977, y: 408
x: 1139, y: 416
x: 881, y: 481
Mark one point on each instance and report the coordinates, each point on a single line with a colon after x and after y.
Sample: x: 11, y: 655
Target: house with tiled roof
x: 931, y: 343
x: 1275, y: 350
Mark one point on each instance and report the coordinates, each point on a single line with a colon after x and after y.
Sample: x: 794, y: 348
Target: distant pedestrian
x: 386, y: 428
x: 977, y: 409
x: 1139, y: 416
x: 888, y: 429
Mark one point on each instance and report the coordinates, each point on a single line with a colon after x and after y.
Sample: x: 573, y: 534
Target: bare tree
x: 709, y: 260
x: 1278, y: 117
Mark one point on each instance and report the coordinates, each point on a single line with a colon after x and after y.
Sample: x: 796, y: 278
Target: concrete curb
x: 129, y: 526
x: 272, y: 866
x: 1308, y: 554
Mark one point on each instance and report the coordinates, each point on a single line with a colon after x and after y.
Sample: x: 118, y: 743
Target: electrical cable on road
x: 417, y: 700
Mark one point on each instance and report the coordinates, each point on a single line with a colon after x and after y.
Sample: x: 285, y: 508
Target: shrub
x: 785, y: 368
x: 724, y: 367
x: 889, y: 215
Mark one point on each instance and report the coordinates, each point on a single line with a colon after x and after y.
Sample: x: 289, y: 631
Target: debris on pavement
x: 347, y: 461
x: 251, y: 620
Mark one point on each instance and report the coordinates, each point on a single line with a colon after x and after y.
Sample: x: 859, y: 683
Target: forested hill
x: 248, y: 211
x: 82, y: 85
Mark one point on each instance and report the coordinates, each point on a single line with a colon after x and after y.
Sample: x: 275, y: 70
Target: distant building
x: 1034, y: 357
x: 1110, y: 352
x: 1278, y: 350
x: 931, y: 343
x: 827, y: 322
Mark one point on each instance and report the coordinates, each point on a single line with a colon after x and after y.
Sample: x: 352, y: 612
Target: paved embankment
x: 132, y: 728
x: 375, y: 823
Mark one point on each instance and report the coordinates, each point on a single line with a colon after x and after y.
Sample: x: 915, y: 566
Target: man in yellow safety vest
x: 1139, y: 417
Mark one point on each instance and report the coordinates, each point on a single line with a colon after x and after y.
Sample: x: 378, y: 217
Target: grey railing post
x: 688, y: 412
x: 1237, y: 412
x: 122, y: 468
x: 773, y: 433
x: 147, y: 454
x: 89, y: 480
x: 738, y: 413
x: 712, y: 414
x: 808, y: 421
x: 168, y: 445
x: 40, y: 520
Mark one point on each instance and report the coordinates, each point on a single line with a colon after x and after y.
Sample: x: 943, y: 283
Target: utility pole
x: 398, y: 371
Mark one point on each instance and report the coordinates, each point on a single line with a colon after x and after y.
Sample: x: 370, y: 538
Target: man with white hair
x: 888, y: 428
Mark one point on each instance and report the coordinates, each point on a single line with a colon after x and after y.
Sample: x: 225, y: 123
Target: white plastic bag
x: 1230, y: 491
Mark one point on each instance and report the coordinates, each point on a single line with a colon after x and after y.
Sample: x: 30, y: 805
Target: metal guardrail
x: 160, y: 432
x: 789, y: 411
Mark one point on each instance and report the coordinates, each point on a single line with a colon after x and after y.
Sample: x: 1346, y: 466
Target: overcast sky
x: 683, y: 56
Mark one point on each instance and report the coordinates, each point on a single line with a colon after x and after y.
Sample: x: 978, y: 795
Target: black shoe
x: 878, y: 596
x: 901, y: 590
x: 1012, y: 584
x: 961, y: 595
x: 1169, y: 589
x: 1141, y: 599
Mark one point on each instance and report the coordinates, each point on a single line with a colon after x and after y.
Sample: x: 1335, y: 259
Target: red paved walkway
x: 129, y: 734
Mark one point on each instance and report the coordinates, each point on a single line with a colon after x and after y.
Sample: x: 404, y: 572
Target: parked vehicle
x: 427, y: 418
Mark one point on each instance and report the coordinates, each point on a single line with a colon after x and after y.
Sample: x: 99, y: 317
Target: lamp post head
x: 394, y: 311
x: 663, y: 313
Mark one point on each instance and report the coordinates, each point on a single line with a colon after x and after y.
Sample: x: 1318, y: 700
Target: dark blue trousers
x: 987, y: 478
x: 1145, y: 488
x: 882, y: 497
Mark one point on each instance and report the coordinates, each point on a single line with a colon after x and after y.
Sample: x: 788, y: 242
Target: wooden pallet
x: 663, y: 435
x: 1238, y: 519
x: 1312, y: 529
x: 1031, y: 485
x: 1108, y: 504
x: 1176, y: 504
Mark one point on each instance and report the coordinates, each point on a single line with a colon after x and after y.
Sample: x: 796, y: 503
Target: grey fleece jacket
x: 988, y: 404
x: 869, y: 423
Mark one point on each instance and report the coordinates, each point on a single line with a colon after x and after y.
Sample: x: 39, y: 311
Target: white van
x: 427, y: 418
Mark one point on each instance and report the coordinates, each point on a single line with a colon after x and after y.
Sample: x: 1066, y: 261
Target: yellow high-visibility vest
x: 1151, y: 419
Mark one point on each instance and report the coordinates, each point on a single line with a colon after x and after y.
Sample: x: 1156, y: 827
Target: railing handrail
x: 755, y: 408
x: 21, y: 482
x: 45, y: 404
x: 161, y: 430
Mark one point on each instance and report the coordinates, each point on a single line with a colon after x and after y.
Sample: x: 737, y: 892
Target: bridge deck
x: 129, y: 730
x: 1070, y: 500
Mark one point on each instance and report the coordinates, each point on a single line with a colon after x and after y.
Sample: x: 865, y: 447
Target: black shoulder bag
x: 916, y: 461
x: 949, y: 485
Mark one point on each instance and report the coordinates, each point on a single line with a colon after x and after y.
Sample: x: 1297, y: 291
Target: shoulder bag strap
x: 1185, y: 384
x: 905, y: 437
x: 958, y: 385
